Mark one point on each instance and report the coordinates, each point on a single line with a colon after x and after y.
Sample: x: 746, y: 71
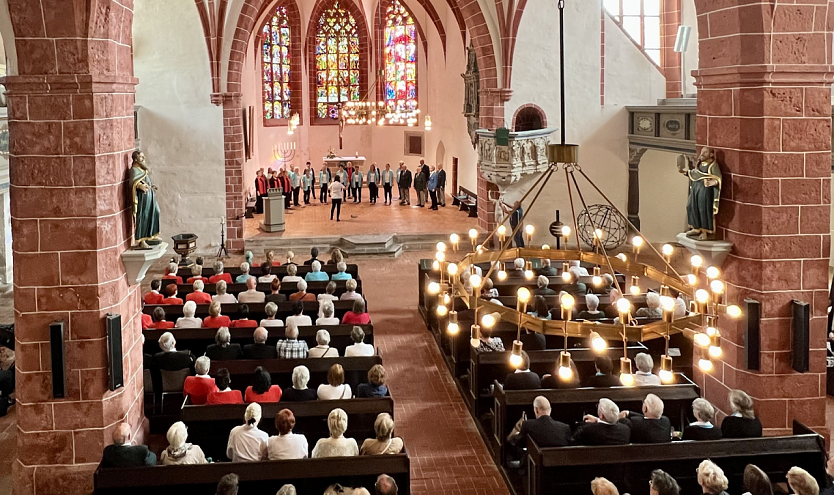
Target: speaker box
x: 56, y: 348
x: 752, y: 335
x: 114, y: 350
x: 800, y: 335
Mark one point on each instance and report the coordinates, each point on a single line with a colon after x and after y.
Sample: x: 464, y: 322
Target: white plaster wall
x: 689, y: 18
x: 180, y: 131
x: 663, y: 195
x: 600, y: 131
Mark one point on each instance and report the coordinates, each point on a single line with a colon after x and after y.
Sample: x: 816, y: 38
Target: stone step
x: 389, y: 245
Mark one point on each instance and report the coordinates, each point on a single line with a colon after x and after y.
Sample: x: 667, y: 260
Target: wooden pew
x: 467, y: 201
x: 197, y: 339
x: 569, y: 470
x: 286, y: 289
x: 234, y: 270
x: 569, y: 405
x: 309, y: 476
x: 209, y: 426
x: 256, y: 310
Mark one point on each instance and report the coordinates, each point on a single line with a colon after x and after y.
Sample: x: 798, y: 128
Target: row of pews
x: 209, y: 425
x: 570, y: 470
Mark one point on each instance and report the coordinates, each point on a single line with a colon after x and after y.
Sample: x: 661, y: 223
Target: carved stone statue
x: 704, y: 193
x: 145, y: 207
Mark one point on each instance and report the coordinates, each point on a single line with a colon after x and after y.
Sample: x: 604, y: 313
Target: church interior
x: 480, y: 247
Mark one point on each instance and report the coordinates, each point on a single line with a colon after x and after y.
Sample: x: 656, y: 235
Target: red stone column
x: 764, y: 103
x: 71, y: 136
x: 670, y: 61
x: 233, y: 139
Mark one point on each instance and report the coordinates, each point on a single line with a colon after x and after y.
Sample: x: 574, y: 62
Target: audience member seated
x: 251, y: 295
x: 267, y: 277
x: 644, y: 376
x: 260, y: 349
x: 601, y: 486
x: 244, y: 273
x: 215, y: 319
x: 335, y: 388
x: 323, y: 348
x: 547, y: 270
x: 385, y: 442
x: 517, y: 269
x: 829, y: 471
x: 350, y: 291
x: 219, y: 274
x: 607, y: 284
x: 247, y: 442
x: 603, y: 376
x: 337, y: 445
x: 801, y: 482
x: 328, y: 296
x: 222, y: 349
x: 314, y: 256
x: 652, y: 309
x: 122, y: 454
x: 291, y: 348
x: 275, y: 296
x: 221, y: 295
x: 555, y: 381
x: 197, y: 274
x: 592, y: 312
x: 188, y: 320
x: 154, y: 297
x: 159, y: 321
x: 540, y: 309
x: 172, y: 273
x: 702, y: 428
x: 171, y: 295
x: 376, y: 383
x: 358, y: 315
x: 604, y: 428
x: 179, y: 452
x: 198, y: 296
x: 301, y: 293
x: 315, y: 274
x: 488, y: 291
x: 290, y: 258
x: 680, y: 306
x: 546, y: 431
x: 243, y: 320
x: 327, y: 317
x: 336, y: 256
x: 583, y: 272
x: 490, y: 344
x: 757, y: 482
x: 712, y: 479
x: 198, y: 388
x: 742, y: 423
x: 147, y: 320
x: 224, y: 395
x: 385, y: 485
x: 651, y: 426
x: 611, y: 310
x: 170, y: 359
x: 299, y: 391
x: 286, y: 445
x: 298, y: 318
x: 663, y: 484
x: 291, y: 276
x: 522, y: 378
x: 541, y: 287
x: 262, y: 389
x: 227, y: 485
x: 359, y: 347
x: 341, y: 273
x: 533, y: 341
x: 270, y: 257
x: 271, y: 309
x: 576, y: 272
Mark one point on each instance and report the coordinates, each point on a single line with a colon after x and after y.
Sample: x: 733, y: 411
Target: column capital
x: 503, y: 94
x: 764, y: 75
x: 68, y: 84
x: 228, y: 97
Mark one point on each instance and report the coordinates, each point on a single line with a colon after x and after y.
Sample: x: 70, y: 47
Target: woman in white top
x: 271, y: 309
x: 336, y: 388
x: 247, y: 442
x: 385, y: 442
x: 337, y: 445
x: 327, y: 296
x: 323, y: 348
x: 286, y: 445
x: 267, y: 276
x: 179, y: 452
x: 188, y: 320
x: 359, y: 347
x: 298, y: 317
x: 291, y: 276
x: 221, y: 295
x: 327, y: 315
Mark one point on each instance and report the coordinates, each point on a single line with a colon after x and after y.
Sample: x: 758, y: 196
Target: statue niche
x: 472, y: 98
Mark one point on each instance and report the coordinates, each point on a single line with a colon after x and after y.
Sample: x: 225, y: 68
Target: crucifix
x: 342, y: 122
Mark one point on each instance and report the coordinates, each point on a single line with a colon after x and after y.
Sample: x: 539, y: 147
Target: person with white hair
x: 546, y: 431
x: 350, y: 293
x: 219, y: 274
x: 271, y: 309
x: 323, y: 348
x: 244, y: 273
x: 299, y: 391
x: 518, y: 268
x: 327, y: 317
x: 651, y: 426
x: 327, y: 297
x: 301, y: 293
x: 260, y: 349
x: 291, y: 276
x: 547, y: 269
x: 337, y: 445
x: 341, y: 273
x: 801, y: 482
x: 122, y: 454
x: 198, y: 387
x: 221, y: 295
x: 251, y: 295
x: 652, y: 309
x: 188, y: 320
x: 385, y: 441
x: 196, y: 273
x: 223, y: 349
x: 198, y: 296
x: 702, y: 428
x: 604, y: 428
x: 170, y: 359
x: 591, y: 311
x: 179, y: 452
x: 581, y: 271
x: 359, y: 347
x: 644, y: 375
x: 172, y: 273
x: 712, y: 479
x: 292, y: 347
x: 247, y: 442
x: 315, y: 274
x: 607, y: 284
x: 542, y: 288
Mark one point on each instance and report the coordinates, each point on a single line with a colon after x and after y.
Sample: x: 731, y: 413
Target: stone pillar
x: 233, y: 138
x: 635, y: 154
x: 670, y: 60
x: 71, y: 136
x: 764, y: 104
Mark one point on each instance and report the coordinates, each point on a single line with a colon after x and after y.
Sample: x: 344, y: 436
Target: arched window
x: 276, y: 66
x: 400, y: 58
x: 640, y: 19
x: 528, y: 118
x: 337, y: 61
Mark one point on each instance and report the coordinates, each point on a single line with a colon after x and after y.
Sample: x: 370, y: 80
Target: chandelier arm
x: 573, y: 213
x: 630, y: 224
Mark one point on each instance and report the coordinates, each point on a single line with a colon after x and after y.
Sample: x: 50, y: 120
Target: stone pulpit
x: 273, y: 211
x: 503, y: 164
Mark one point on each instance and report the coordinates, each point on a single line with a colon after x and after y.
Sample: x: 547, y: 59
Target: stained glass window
x: 276, y: 66
x: 640, y: 19
x: 337, y: 61
x: 400, y: 58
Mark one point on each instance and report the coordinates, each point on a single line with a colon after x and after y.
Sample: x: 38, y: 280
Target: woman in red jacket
x: 358, y: 316
x: 263, y: 390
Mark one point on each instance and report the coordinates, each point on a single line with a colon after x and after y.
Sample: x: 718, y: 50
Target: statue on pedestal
x: 704, y: 194
x: 145, y: 207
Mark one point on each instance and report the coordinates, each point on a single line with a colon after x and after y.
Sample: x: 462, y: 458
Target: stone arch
x: 529, y: 117
x: 440, y: 155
